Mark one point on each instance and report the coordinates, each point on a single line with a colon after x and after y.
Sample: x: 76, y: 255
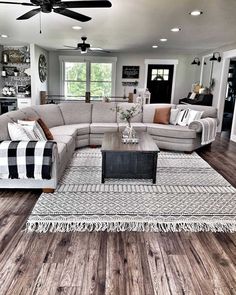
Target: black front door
x: 159, y: 82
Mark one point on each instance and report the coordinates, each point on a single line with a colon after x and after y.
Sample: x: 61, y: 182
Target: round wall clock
x: 42, y: 67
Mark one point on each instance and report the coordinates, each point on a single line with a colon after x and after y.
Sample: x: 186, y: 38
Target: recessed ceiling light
x: 4, y: 36
x: 163, y: 39
x: 76, y: 28
x: 154, y: 46
x: 175, y: 29
x: 196, y: 12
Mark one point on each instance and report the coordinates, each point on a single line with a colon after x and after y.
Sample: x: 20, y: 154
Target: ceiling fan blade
x: 86, y: 4
x: 70, y: 47
x: 72, y: 14
x: 25, y: 4
x: 99, y: 50
x: 29, y: 14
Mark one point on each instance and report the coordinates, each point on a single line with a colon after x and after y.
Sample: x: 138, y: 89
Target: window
x: 96, y: 77
x: 75, y: 79
x: 101, y: 79
x: 160, y: 74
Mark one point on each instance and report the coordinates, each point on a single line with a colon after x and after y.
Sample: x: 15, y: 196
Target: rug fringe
x: 70, y: 226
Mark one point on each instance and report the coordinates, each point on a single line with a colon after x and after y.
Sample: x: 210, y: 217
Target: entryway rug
x: 189, y: 195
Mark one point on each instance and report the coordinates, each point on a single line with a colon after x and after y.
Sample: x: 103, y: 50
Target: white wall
x: 186, y: 74
x: 36, y: 84
x: 218, y: 98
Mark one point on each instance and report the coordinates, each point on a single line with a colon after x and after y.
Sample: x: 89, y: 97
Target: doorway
x: 159, y: 82
x: 229, y: 98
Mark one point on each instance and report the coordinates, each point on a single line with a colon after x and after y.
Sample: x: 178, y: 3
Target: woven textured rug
x: 189, y: 195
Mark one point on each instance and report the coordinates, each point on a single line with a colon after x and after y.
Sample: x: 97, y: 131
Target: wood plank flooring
x: 116, y: 263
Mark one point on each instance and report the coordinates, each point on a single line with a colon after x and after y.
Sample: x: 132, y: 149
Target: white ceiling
x: 130, y: 25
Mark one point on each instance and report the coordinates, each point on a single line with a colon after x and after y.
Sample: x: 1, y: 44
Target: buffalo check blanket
x: 26, y: 159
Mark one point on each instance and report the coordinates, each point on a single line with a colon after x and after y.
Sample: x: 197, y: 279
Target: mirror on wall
x: 206, y: 71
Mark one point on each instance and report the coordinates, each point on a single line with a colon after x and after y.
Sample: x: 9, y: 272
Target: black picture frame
x: 21, y: 89
x: 130, y: 72
x: 9, y: 70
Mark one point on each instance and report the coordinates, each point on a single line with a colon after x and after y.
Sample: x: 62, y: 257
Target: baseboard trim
x: 233, y: 138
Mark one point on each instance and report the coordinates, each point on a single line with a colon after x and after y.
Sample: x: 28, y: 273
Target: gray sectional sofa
x: 78, y: 124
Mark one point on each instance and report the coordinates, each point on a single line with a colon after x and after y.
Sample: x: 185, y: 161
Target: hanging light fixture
x: 216, y: 57
x: 196, y: 61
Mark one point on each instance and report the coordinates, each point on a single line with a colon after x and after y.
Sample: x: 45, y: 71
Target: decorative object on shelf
x: 130, y: 72
x: 42, y: 68
x: 9, y: 71
x: 15, y: 56
x: 196, y: 61
x: 26, y: 53
x: 21, y: 89
x: 9, y: 91
x: 3, y: 73
x: 130, y: 83
x: 27, y: 72
x: 16, y: 72
x: 214, y: 58
x: 28, y: 90
x: 5, y: 57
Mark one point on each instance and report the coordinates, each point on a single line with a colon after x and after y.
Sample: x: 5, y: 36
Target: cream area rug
x: 189, y: 196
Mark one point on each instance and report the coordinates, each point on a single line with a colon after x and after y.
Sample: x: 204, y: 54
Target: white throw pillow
x: 34, y: 129
x: 173, y: 116
x: 17, y: 132
x: 194, y: 115
x: 192, y: 96
x: 182, y: 118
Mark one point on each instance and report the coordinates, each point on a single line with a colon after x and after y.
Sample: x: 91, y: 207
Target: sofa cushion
x: 104, y: 112
x: 68, y: 140
x: 50, y: 114
x: 207, y: 111
x: 71, y: 130
x: 30, y: 113
x: 137, y: 126
x: 162, y: 115
x: 174, y: 131
x: 101, y: 128
x: 149, y: 111
x: 16, y: 115
x: 127, y: 106
x: 4, y: 120
x: 76, y: 112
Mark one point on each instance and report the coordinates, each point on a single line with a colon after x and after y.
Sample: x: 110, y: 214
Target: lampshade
x: 196, y: 61
x: 214, y: 58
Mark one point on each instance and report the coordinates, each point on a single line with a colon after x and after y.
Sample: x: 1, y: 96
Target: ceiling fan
x: 84, y: 47
x: 60, y: 7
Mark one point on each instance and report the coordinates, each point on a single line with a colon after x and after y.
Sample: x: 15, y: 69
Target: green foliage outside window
x: 100, y: 79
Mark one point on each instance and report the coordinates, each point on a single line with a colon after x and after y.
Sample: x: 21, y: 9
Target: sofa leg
x: 48, y: 190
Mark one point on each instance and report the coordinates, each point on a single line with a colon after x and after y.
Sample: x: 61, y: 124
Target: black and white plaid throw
x: 26, y: 159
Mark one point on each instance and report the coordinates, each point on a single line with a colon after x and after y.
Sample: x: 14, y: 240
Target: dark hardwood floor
x: 116, y: 263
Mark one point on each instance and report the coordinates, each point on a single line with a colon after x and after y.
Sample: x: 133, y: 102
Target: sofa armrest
x: 197, y: 126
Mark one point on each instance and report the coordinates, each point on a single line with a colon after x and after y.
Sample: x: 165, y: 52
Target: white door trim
x: 163, y: 62
x: 222, y: 91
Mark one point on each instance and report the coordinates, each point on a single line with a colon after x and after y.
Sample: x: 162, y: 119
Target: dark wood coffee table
x: 121, y: 160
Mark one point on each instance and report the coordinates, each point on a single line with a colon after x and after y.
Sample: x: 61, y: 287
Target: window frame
x: 88, y: 60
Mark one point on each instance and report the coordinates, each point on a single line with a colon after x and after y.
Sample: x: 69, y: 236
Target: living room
x: 117, y: 147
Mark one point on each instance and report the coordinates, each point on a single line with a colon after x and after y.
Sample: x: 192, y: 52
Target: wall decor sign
x: 130, y: 72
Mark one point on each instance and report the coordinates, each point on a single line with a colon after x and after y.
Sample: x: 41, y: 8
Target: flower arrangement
x: 9, y: 91
x: 127, y: 115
